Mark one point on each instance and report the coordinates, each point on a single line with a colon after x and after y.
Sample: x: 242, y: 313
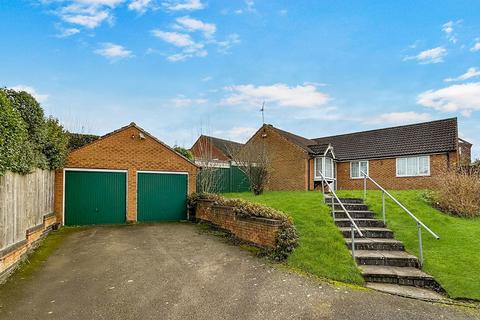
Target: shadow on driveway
x: 173, y: 271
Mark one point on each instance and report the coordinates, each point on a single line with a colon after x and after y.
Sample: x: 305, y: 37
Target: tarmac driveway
x: 174, y: 271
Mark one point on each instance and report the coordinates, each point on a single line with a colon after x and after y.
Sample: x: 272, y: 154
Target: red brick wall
x: 465, y: 153
x: 289, y: 163
x: 384, y: 172
x: 10, y: 259
x: 204, y: 149
x: 252, y: 230
x: 122, y: 152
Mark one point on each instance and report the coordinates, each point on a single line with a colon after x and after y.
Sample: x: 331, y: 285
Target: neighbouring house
x: 402, y: 157
x: 219, y: 173
x: 126, y: 175
x: 214, y: 149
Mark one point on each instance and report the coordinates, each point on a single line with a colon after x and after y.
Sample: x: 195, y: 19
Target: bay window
x: 413, y: 166
x: 325, y: 166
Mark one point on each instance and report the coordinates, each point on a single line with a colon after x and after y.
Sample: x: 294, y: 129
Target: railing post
x: 419, y: 228
x: 353, y: 241
x: 333, y: 207
x: 364, y: 186
x: 383, y: 207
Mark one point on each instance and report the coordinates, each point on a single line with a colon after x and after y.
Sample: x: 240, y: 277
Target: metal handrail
x: 420, y: 224
x: 341, y: 205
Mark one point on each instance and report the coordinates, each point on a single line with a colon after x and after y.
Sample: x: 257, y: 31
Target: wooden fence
x: 24, y: 200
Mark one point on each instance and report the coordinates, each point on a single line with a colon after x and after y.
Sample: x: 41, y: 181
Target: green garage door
x: 161, y: 196
x: 95, y: 197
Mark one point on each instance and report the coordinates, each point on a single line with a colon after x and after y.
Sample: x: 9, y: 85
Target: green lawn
x: 322, y: 249
x: 454, y: 260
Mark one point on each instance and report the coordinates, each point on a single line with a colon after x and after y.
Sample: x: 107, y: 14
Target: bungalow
x: 216, y: 149
x: 402, y: 157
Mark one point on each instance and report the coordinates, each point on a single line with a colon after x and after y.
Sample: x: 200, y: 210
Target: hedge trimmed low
x: 287, y: 237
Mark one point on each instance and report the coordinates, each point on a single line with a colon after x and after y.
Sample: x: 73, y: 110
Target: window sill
x: 418, y: 176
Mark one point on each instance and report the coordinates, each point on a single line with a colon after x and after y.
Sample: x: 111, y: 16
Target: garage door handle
x: 96, y: 210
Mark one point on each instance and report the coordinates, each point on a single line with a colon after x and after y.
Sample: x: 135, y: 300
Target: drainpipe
x: 308, y: 174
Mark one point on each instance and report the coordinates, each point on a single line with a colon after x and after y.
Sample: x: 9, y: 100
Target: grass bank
x: 454, y: 260
x: 322, y: 251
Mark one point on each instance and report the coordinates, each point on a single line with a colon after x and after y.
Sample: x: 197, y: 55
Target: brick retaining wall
x: 11, y: 256
x: 259, y: 231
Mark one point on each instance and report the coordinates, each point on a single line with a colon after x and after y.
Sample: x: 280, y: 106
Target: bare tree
x: 208, y: 178
x: 254, y: 161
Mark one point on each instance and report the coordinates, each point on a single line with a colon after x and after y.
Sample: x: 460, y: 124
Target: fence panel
x: 230, y: 179
x: 24, y: 200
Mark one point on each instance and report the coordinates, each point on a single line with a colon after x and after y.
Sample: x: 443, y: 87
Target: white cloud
x: 464, y: 98
x: 300, y: 96
x: 400, y: 117
x: 225, y: 45
x: 175, y: 38
x: 237, y: 133
x: 189, y: 47
x: 448, y: 29
x: 471, y: 73
x: 476, y: 46
x: 113, y: 52
x: 88, y: 16
x: 41, y: 98
x: 139, y: 6
x: 64, y: 33
x: 434, y: 55
x: 189, y: 5
x: 207, y: 78
x: 190, y: 24
x: 182, y: 101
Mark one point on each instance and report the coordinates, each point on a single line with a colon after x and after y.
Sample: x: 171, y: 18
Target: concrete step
x: 375, y: 244
x: 360, y: 223
x: 340, y: 214
x: 344, y: 200
x: 406, y: 276
x: 386, y: 258
x: 369, y: 232
x: 407, y: 291
x: 350, y: 206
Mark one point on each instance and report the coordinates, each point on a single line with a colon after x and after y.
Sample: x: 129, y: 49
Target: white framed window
x: 356, y: 167
x: 413, y: 166
x: 326, y: 166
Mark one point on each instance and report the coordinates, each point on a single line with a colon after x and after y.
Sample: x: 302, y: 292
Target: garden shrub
x: 287, y: 237
x: 457, y: 193
x: 34, y: 119
x: 27, y: 139
x: 77, y: 140
x: 15, y: 149
x: 55, y: 147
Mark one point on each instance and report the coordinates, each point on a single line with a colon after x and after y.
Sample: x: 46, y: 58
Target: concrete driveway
x: 173, y: 271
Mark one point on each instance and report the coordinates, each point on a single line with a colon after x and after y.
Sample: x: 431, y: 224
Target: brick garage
x: 129, y: 149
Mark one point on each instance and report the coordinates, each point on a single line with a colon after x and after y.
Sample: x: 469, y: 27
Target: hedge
x: 28, y: 140
x: 287, y: 237
x: 77, y: 140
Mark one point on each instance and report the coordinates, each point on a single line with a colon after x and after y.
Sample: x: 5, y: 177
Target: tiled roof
x: 422, y: 138
x: 302, y: 142
x: 319, y: 149
x: 226, y: 146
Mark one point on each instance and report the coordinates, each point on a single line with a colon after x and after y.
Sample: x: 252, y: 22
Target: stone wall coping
x: 13, y: 247
x: 35, y: 228
x: 263, y: 220
x: 49, y: 215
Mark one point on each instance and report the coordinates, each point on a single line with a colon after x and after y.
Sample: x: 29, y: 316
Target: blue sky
x: 180, y: 68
